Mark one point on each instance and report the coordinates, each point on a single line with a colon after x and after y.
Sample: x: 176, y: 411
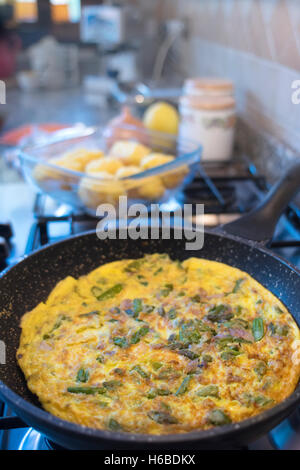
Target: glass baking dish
x: 86, y: 192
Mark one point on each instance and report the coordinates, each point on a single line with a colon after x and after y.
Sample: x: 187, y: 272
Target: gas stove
x: 227, y: 191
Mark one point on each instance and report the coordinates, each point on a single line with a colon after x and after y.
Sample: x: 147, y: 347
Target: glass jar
x: 210, y: 120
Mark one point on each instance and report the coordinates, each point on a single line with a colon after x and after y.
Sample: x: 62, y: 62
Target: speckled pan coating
x: 29, y: 282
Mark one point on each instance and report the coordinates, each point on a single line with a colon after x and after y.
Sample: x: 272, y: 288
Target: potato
x: 42, y: 172
x: 152, y: 188
x: 51, y: 179
x: 75, y: 160
x: 130, y: 152
x: 131, y: 186
x: 155, y: 159
x: 125, y: 171
x: 174, y: 178
x: 105, y: 164
x: 93, y: 192
x: 79, y: 158
x: 171, y: 179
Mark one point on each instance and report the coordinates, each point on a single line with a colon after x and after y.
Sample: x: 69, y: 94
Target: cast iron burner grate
x: 197, y: 192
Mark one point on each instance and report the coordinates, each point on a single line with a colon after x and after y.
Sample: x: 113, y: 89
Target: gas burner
x: 286, y: 436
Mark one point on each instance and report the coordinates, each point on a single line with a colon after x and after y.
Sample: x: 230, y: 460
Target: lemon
x: 161, y: 117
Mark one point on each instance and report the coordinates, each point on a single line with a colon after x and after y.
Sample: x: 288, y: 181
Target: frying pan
x: 29, y: 282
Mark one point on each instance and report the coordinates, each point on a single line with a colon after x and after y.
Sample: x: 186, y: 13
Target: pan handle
x: 259, y: 224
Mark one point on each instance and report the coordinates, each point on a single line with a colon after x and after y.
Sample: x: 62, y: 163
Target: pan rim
x: 259, y: 246
x: 53, y: 421
x: 74, y: 429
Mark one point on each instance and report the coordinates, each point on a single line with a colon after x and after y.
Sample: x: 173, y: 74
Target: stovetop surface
x: 227, y: 191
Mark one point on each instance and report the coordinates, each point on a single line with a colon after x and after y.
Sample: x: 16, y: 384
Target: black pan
x: 26, y: 284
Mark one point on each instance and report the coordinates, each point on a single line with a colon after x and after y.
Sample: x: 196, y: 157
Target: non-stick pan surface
x: 30, y: 282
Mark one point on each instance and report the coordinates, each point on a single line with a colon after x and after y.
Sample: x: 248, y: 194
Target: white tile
x: 267, y: 8
x: 228, y: 6
x: 245, y: 7
x: 294, y: 14
x: 263, y: 88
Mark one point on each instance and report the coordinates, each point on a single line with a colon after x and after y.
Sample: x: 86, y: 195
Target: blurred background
x: 255, y: 43
x: 222, y: 73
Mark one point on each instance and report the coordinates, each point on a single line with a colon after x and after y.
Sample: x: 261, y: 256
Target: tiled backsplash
x: 257, y: 44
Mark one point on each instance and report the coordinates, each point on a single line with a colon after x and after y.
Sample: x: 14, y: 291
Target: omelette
x: 157, y: 346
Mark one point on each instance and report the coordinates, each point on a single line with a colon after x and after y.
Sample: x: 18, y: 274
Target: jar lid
x: 208, y: 102
x: 209, y: 84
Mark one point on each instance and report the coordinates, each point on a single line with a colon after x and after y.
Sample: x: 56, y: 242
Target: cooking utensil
x: 64, y: 184
x: 30, y: 282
